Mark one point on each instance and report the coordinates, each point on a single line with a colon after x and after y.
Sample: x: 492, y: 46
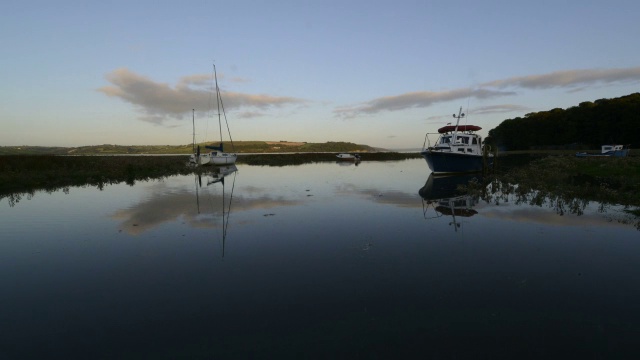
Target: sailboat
x: 217, y: 156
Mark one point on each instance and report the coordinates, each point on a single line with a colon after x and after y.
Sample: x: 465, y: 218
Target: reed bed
x: 22, y: 175
x: 304, y: 158
x: 572, y: 181
x: 25, y: 173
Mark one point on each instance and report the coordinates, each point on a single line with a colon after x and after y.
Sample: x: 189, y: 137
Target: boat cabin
x: 607, y: 148
x: 460, y: 142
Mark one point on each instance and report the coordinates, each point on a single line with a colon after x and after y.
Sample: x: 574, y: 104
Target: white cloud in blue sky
x: 373, y: 72
x: 161, y: 102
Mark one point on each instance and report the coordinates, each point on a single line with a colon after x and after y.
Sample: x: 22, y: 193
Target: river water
x: 322, y: 260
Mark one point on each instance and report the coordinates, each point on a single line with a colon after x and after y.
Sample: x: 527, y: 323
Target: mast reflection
x: 216, y: 175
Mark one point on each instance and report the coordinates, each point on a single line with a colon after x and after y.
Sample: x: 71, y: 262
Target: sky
x: 380, y: 73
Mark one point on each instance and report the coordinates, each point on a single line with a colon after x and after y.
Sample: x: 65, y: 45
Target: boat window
x: 469, y: 150
x: 460, y: 149
x: 464, y: 139
x: 445, y: 140
x: 475, y: 141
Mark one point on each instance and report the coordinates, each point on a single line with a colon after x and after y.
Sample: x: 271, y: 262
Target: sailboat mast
x: 215, y: 74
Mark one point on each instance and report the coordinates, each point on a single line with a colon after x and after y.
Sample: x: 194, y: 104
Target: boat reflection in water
x: 346, y: 159
x: 446, y: 195
x: 217, y: 175
x: 348, y: 163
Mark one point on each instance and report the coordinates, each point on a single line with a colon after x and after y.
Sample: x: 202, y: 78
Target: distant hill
x: 239, y: 147
x: 588, y: 125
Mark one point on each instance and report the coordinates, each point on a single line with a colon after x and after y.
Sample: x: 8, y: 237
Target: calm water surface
x: 313, y: 261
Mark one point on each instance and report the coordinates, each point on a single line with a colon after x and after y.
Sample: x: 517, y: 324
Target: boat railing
x: 427, y: 141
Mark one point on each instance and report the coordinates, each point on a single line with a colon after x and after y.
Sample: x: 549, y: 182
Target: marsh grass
x: 23, y: 175
x: 304, y: 158
x: 568, y: 184
x: 607, y: 180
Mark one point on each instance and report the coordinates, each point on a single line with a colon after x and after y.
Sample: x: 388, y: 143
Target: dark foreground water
x: 313, y: 261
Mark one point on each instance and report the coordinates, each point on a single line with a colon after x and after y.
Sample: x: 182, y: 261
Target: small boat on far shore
x: 608, y: 151
x: 348, y: 157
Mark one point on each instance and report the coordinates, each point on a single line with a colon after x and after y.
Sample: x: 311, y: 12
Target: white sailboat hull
x: 223, y: 159
x: 213, y: 158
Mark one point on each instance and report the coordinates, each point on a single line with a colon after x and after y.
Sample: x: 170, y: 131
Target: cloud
x: 161, y: 102
x: 502, y: 108
x: 166, y: 204
x: 569, y: 79
x: 416, y: 100
x: 572, y: 80
x: 250, y: 114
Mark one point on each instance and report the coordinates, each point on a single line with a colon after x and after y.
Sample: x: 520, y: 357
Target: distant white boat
x: 608, y: 151
x: 348, y: 157
x: 218, y: 156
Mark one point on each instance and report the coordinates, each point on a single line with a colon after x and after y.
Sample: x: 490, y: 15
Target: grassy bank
x: 297, y: 159
x: 18, y: 173
x: 24, y: 174
x: 604, y: 180
x: 607, y: 180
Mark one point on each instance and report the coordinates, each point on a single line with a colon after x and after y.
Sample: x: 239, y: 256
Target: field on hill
x: 238, y: 146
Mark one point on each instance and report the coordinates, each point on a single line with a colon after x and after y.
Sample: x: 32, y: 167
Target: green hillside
x: 239, y: 147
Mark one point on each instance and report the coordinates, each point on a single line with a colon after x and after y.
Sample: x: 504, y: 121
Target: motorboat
x: 608, y: 151
x: 458, y: 149
x: 348, y: 157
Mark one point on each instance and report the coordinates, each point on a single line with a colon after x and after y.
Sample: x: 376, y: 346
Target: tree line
x: 586, y: 126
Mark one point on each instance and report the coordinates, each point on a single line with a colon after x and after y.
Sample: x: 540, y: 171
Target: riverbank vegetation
x: 567, y: 184
x: 22, y: 175
x: 606, y: 180
x: 531, y: 178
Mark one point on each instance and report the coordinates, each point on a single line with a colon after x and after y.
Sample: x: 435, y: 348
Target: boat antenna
x: 467, y: 118
x: 458, y: 117
x: 193, y: 121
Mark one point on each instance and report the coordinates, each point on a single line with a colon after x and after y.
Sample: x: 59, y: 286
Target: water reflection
x: 216, y: 175
x: 197, y: 202
x: 563, y: 200
x: 348, y: 163
x: 322, y: 259
x: 449, y: 196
